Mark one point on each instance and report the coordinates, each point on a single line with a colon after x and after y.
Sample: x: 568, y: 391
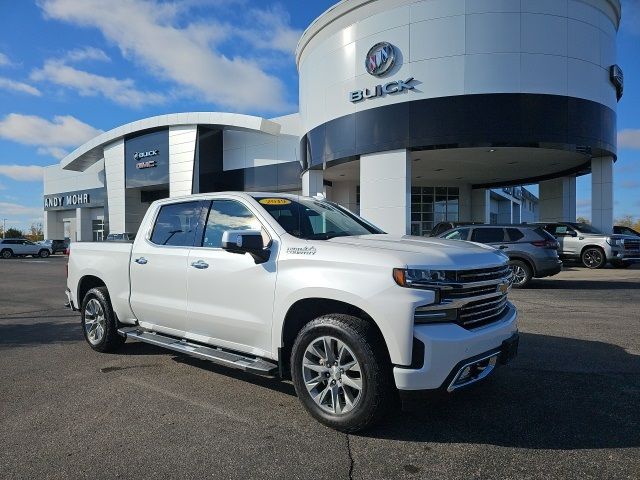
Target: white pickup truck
x: 285, y: 285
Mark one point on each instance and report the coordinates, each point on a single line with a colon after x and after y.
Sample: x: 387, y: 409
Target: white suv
x: 21, y: 247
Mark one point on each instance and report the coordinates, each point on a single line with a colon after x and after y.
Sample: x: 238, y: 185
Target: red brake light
x: 545, y: 244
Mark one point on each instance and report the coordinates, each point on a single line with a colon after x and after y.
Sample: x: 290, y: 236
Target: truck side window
x: 227, y: 215
x: 176, y: 224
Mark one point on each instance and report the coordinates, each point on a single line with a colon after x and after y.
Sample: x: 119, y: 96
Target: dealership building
x: 411, y: 112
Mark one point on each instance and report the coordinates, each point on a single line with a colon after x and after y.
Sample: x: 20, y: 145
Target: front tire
x: 43, y: 253
x: 341, y: 372
x: 593, y: 257
x: 522, y: 273
x: 98, y: 321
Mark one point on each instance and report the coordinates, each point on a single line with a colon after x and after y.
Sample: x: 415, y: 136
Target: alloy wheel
x: 332, y: 375
x: 519, y: 275
x: 95, y: 323
x: 592, y: 258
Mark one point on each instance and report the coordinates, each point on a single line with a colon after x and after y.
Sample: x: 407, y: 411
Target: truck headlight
x: 615, y: 242
x: 419, y: 278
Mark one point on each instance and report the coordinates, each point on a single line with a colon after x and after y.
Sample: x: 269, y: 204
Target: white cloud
x: 15, y: 209
x: 23, y: 173
x: 87, y: 53
x: 55, y: 152
x: 123, y: 92
x: 63, y: 131
x: 21, y: 87
x: 4, y: 60
x: 161, y: 43
x: 271, y: 30
x: 629, y: 138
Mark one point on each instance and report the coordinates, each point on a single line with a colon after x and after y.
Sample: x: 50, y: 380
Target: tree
x: 36, y: 232
x: 583, y: 220
x: 626, y: 221
x: 14, y: 233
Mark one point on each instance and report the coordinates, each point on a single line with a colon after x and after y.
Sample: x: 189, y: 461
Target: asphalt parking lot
x: 568, y: 407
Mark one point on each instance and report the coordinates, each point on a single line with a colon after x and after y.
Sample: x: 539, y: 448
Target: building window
x: 493, y: 218
x: 430, y: 205
x: 97, y: 228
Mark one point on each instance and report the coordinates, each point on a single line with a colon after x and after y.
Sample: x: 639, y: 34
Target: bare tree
x: 36, y: 232
x: 626, y: 221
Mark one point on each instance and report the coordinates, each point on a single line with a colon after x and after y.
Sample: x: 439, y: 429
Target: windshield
x: 314, y: 219
x: 586, y: 228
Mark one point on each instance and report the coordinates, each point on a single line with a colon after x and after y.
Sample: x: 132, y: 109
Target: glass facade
x: 97, y: 229
x: 210, y: 176
x: 430, y: 205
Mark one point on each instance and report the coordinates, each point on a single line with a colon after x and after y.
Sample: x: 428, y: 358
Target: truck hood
x: 433, y: 252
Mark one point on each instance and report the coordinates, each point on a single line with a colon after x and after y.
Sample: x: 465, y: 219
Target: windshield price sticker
x: 275, y: 201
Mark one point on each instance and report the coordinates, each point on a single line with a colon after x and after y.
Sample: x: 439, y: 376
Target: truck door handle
x: 200, y: 264
x: 502, y: 247
x: 141, y: 261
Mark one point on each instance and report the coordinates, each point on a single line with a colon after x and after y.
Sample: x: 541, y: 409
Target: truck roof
x: 196, y: 196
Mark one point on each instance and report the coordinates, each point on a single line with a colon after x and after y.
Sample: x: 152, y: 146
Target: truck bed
x: 108, y: 261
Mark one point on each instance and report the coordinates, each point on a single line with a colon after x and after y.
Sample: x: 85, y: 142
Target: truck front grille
x: 482, y: 312
x: 633, y: 245
x: 470, y: 298
x: 480, y: 275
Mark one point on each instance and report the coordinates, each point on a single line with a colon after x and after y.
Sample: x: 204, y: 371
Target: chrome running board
x: 213, y: 354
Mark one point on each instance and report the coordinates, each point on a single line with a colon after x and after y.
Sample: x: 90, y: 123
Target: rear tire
x: 522, y: 273
x: 7, y: 253
x: 593, y: 257
x: 99, y: 323
x: 349, y: 388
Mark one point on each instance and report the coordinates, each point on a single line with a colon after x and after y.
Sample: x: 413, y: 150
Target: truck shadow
x: 560, y: 393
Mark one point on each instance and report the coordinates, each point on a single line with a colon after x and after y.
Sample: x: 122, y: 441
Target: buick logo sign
x: 380, y: 59
x: 150, y: 153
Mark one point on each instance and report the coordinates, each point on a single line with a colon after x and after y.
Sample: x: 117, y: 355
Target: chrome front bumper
x: 449, y: 348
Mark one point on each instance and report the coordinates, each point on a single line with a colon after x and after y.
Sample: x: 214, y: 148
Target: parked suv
x: 622, y: 230
x: 442, y: 227
x: 583, y: 242
x: 56, y: 245
x: 532, y: 251
x: 21, y: 247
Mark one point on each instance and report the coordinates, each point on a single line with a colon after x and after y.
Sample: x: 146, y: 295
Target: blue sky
x: 71, y: 68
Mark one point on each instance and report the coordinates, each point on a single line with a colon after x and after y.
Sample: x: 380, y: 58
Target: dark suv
x: 442, y: 227
x: 622, y: 230
x: 56, y: 245
x: 532, y: 251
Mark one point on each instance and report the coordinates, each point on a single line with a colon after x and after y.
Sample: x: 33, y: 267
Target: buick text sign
x: 388, y: 88
x: 146, y: 163
x: 147, y: 159
x: 69, y: 200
